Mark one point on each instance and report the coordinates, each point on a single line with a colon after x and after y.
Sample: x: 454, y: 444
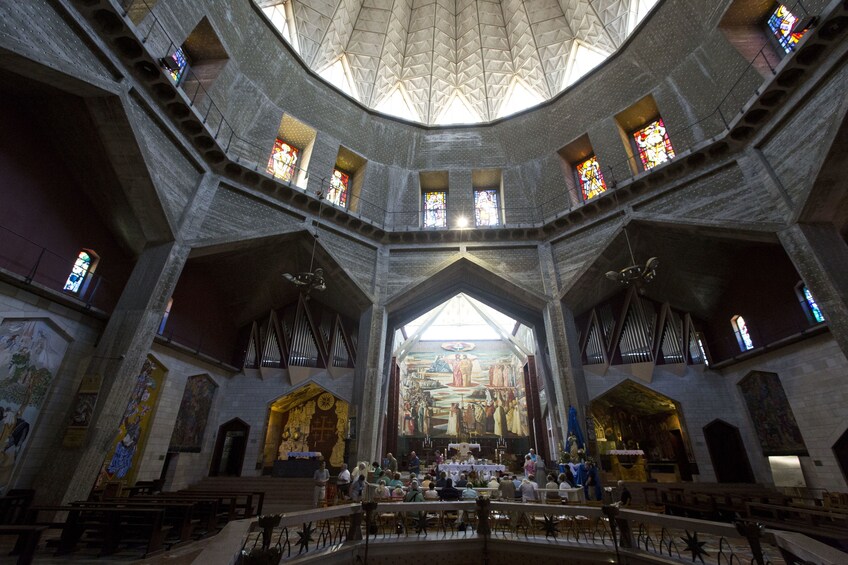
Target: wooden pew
x: 28, y: 537
x: 106, y: 528
x: 245, y: 502
x: 179, y: 514
x: 810, y: 521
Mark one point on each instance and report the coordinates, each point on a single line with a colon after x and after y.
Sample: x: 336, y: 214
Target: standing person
x: 529, y: 466
x: 343, y: 482
x: 392, y: 463
x: 357, y: 492
x: 414, y: 463
x: 321, y: 476
x: 624, y: 496
x: 590, y: 478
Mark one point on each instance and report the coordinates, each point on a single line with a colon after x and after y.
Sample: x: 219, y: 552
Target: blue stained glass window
x: 78, y: 273
x: 486, y: 211
x: 811, y: 303
x: 435, y: 209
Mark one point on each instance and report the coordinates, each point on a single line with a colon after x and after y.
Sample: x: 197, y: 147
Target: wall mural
x: 122, y: 462
x: 462, y: 389
x: 31, y: 352
x: 771, y: 414
x: 193, y: 415
x: 307, y: 419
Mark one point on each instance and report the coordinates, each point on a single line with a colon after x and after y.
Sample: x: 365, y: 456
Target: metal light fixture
x: 635, y: 272
x: 312, y: 279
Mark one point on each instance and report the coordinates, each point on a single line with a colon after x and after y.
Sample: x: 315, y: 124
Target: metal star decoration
x: 695, y: 546
x: 304, y: 537
x: 551, y: 529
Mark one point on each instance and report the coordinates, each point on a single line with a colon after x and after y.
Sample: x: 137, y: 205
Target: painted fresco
x: 30, y: 355
x: 307, y: 419
x: 193, y: 415
x: 462, y: 390
x: 771, y: 414
x: 122, y: 462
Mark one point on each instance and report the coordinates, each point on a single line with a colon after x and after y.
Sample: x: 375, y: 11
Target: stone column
x: 820, y: 256
x: 122, y: 349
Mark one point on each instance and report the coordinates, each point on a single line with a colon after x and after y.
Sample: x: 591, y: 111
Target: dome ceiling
x: 454, y: 61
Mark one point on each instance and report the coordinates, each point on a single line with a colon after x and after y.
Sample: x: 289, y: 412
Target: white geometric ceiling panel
x: 430, y: 53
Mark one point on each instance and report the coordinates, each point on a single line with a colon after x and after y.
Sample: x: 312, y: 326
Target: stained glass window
x: 486, y: 211
x: 743, y: 336
x: 590, y: 177
x: 435, y: 209
x: 178, y: 66
x: 283, y: 160
x: 337, y: 194
x: 782, y: 23
x: 79, y: 271
x: 814, y: 309
x: 653, y: 144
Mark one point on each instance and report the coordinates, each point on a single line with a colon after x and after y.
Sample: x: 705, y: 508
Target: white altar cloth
x: 454, y: 469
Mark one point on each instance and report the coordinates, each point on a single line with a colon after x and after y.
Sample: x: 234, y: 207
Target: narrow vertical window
x: 486, y: 209
x: 743, y: 336
x: 783, y: 24
x: 167, y: 313
x: 703, y: 350
x: 283, y: 161
x: 435, y: 210
x: 590, y: 177
x: 809, y: 304
x: 79, y: 272
x: 653, y: 144
x: 176, y: 65
x: 337, y: 194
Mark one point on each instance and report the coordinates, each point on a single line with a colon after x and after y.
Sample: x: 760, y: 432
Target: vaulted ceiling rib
x: 438, y: 49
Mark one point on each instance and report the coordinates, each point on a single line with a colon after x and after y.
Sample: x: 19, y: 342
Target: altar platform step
x: 281, y: 494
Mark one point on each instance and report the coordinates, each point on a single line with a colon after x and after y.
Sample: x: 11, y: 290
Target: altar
x: 628, y: 464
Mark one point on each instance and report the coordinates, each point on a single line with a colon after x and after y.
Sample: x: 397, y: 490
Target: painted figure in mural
x: 465, y: 367
x: 500, y: 419
x: 457, y: 371
x: 453, y: 420
x: 440, y: 366
x: 122, y: 460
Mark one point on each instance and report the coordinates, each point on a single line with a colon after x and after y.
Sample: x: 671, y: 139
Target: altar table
x: 454, y: 469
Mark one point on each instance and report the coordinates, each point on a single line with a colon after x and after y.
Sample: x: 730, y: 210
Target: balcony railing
x: 749, y: 82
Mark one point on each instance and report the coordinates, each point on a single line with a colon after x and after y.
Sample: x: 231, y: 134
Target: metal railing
x: 153, y: 33
x: 39, y: 265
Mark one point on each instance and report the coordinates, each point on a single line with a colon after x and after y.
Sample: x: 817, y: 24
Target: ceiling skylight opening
x: 519, y: 98
x: 638, y: 14
x: 398, y: 104
x: 339, y: 75
x: 460, y: 318
x: 457, y: 111
x: 282, y: 16
x: 581, y: 60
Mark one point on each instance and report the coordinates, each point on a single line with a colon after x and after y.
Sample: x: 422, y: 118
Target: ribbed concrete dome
x: 454, y: 61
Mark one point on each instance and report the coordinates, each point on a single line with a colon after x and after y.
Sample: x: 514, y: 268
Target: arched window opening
x: 743, y: 336
x: 84, y: 265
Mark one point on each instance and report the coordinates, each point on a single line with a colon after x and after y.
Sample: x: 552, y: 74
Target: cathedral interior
x: 360, y: 226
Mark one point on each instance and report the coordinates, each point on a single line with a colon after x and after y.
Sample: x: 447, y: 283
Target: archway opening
x: 228, y: 457
x: 641, y: 435
x: 727, y: 452
x: 464, y: 372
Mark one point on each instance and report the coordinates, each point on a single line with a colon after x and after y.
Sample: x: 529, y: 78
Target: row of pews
x: 139, y: 520
x: 825, y: 517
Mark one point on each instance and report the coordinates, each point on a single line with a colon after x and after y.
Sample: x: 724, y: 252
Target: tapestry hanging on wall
x: 771, y: 414
x: 193, y: 415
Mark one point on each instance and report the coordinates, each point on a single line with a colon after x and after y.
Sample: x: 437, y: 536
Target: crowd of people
x: 388, y: 483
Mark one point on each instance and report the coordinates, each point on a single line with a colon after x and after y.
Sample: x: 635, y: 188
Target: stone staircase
x: 281, y: 494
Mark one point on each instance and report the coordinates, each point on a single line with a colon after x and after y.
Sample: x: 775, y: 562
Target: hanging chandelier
x: 312, y: 279
x: 635, y: 273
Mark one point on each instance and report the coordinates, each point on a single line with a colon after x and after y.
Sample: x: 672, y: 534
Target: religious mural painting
x: 194, y: 411
x: 309, y: 419
x: 121, y: 464
x: 771, y: 414
x: 462, y: 390
x: 31, y: 352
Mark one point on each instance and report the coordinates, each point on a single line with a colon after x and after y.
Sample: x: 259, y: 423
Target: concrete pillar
x: 567, y: 371
x: 368, y: 389
x: 820, y: 256
x: 122, y: 349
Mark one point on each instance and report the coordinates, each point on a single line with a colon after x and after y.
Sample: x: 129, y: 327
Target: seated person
x: 528, y: 489
x: 551, y: 489
x: 397, y: 494
x: 468, y: 493
x: 517, y: 482
x: 624, y: 496
x: 431, y: 493
x: 507, y: 489
x: 440, y: 482
x: 494, y: 484
x: 357, y: 490
x: 382, y: 491
x: 448, y: 491
x: 395, y: 482
x: 463, y: 480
